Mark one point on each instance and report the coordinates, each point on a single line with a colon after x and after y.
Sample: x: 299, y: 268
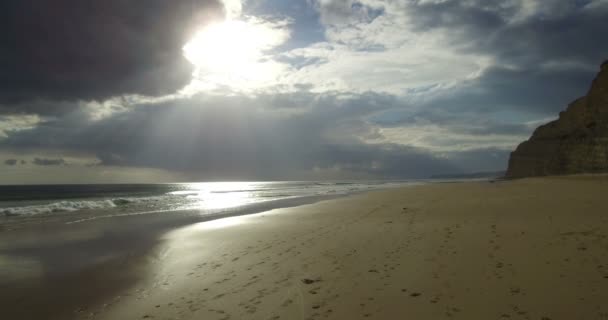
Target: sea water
x: 82, y: 202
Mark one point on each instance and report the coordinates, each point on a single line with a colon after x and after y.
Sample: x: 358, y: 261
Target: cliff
x: 577, y: 142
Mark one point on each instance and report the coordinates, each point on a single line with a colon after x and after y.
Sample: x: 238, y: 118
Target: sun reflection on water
x: 219, y: 195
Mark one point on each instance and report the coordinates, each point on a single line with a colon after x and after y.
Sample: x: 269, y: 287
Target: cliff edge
x: 577, y: 142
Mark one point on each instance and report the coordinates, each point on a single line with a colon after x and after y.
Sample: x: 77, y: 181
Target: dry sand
x: 526, y: 249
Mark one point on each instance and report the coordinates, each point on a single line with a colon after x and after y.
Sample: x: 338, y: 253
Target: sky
x: 201, y: 90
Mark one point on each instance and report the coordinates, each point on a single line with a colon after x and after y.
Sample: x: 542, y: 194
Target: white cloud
x: 14, y: 123
x: 374, y: 46
x: 441, y: 139
x: 383, y: 54
x: 371, y: 46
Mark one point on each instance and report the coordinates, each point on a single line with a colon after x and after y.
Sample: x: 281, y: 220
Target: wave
x: 189, y: 199
x: 61, y: 206
x: 76, y: 205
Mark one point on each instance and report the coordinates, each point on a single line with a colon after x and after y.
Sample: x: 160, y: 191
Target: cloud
x: 110, y: 159
x: 276, y: 136
x: 371, y: 47
x: 49, y: 162
x: 13, y: 123
x: 474, y: 75
x: 405, y: 88
x: 345, y: 12
x: 530, y: 92
x: 71, y: 50
x: 10, y: 162
x: 19, y: 175
x: 405, y: 47
x: 518, y: 33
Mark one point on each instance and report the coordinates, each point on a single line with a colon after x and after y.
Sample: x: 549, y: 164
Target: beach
x: 523, y: 249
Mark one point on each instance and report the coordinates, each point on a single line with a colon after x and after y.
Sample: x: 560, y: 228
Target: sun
x: 233, y: 53
x: 224, y: 46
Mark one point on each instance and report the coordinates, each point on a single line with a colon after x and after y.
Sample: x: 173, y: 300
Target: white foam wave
x: 76, y: 205
x: 193, y: 199
x: 61, y: 206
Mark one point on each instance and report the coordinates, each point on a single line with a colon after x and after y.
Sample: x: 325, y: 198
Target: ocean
x: 77, y: 203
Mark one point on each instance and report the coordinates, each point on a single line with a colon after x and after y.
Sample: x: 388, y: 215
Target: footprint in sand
x: 309, y: 281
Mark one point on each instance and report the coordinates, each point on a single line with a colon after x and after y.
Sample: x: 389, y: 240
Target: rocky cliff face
x: 575, y: 143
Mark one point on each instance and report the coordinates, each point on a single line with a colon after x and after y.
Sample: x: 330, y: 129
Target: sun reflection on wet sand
x: 219, y: 223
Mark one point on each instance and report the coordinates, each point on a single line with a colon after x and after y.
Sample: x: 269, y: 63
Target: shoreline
x: 519, y: 249
x: 43, y: 265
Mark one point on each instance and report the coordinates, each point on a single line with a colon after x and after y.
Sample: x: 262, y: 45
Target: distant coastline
x: 473, y: 175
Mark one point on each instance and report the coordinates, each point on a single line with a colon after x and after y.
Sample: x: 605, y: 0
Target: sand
x: 525, y: 249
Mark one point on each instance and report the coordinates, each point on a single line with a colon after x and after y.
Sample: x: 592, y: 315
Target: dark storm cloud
x: 541, y: 60
x: 542, y: 57
x: 474, y: 16
x: 267, y: 137
x: 49, y: 162
x: 499, y: 101
x: 83, y: 50
x: 110, y: 159
x: 479, y: 160
x: 571, y: 36
x: 558, y: 30
x: 10, y: 162
x: 535, y: 91
x: 39, y: 106
x: 537, y: 65
x: 384, y: 160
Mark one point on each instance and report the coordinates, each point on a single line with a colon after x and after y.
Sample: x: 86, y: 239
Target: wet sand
x: 54, y: 268
x: 525, y: 249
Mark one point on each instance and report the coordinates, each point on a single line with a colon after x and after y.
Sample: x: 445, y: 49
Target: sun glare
x: 233, y: 53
